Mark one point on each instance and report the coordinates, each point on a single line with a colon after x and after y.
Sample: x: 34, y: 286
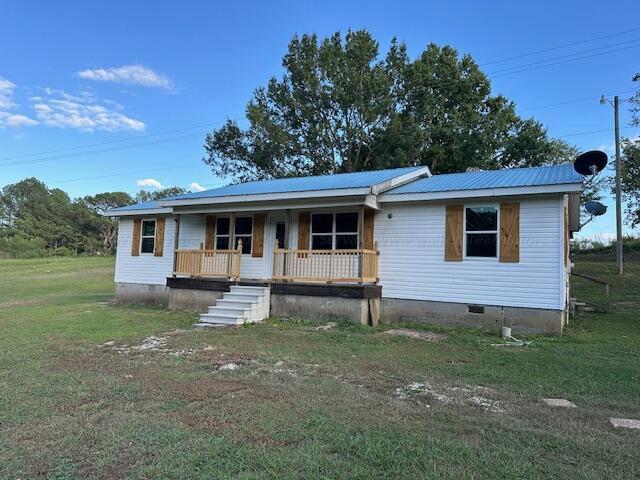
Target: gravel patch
x: 625, y: 423
x: 418, y: 334
x: 559, y: 402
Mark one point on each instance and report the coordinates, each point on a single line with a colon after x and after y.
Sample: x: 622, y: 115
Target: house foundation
x: 142, y: 294
x: 492, y: 317
x: 361, y: 304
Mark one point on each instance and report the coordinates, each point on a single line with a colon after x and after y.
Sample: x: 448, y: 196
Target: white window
x: 148, y: 237
x: 244, y: 231
x: 337, y: 231
x: 481, y: 231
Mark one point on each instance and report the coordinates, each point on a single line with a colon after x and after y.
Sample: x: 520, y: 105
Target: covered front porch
x: 317, y: 245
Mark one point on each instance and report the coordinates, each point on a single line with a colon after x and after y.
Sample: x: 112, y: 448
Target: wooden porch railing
x: 208, y: 263
x: 326, y: 266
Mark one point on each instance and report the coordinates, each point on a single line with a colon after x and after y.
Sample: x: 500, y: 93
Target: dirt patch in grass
x: 417, y: 334
x: 25, y: 302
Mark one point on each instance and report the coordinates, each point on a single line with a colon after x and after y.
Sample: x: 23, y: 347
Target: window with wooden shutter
x: 210, y: 232
x: 158, y: 250
x: 453, y: 233
x: 509, y: 232
x: 135, y: 239
x: 304, y: 219
x: 258, y: 235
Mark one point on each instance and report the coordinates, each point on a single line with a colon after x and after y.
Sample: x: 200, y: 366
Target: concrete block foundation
x: 193, y: 300
x: 142, y: 294
x: 323, y: 308
x: 521, y: 320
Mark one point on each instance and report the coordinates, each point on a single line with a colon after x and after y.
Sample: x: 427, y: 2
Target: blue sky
x: 119, y: 75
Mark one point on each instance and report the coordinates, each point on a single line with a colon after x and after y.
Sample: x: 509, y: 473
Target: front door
x: 276, y: 230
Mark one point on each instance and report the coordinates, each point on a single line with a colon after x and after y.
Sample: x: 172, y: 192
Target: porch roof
x: 285, y: 189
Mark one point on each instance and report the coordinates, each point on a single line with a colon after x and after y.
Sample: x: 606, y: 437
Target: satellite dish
x: 590, y: 163
x: 595, y: 208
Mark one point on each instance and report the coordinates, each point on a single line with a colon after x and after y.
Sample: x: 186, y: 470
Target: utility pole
x: 616, y: 114
x: 618, y: 194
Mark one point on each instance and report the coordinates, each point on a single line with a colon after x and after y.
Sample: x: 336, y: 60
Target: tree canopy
x: 342, y: 106
x: 630, y: 178
x: 36, y: 220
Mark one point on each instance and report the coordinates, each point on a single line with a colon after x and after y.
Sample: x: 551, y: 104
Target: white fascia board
x: 135, y: 213
x: 487, y: 192
x: 309, y: 204
x: 400, y: 180
x: 267, y: 197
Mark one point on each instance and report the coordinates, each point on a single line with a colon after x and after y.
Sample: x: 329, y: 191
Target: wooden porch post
x: 176, y: 244
x: 360, y: 241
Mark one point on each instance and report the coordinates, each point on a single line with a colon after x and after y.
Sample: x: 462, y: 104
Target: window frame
x: 333, y: 232
x: 496, y: 231
x: 152, y: 237
x: 216, y: 235
x: 237, y: 236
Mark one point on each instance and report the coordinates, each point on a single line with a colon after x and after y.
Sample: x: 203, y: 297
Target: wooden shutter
x: 158, y: 244
x: 135, y: 239
x: 453, y: 233
x: 304, y: 225
x: 367, y: 234
x: 509, y: 232
x: 257, y: 248
x: 210, y: 232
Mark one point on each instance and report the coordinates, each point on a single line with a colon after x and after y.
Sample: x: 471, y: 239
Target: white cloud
x: 19, y: 120
x: 128, y: 74
x: 149, y: 183
x: 83, y: 112
x: 8, y: 117
x: 6, y: 93
x: 196, y: 187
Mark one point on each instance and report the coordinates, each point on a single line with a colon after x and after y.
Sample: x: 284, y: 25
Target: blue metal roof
x: 151, y: 204
x: 302, y: 184
x: 514, y: 177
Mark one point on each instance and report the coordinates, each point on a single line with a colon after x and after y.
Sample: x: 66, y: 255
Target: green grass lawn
x: 303, y: 403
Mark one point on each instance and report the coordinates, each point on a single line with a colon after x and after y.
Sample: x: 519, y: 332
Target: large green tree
x: 630, y: 180
x: 341, y: 106
x: 147, y: 195
x: 108, y: 227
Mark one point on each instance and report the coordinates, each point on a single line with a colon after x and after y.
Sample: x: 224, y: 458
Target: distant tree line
x: 37, y: 221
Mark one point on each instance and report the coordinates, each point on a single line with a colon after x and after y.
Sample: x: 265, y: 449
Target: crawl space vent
x: 475, y: 309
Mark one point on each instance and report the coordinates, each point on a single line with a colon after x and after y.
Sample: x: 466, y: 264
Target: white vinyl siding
x: 145, y: 268
x: 412, y: 264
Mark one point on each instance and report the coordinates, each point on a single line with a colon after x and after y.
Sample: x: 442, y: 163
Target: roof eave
x: 137, y: 212
x: 485, y: 192
x: 265, y: 197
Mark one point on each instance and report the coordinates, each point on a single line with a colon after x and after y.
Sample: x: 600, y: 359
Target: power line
x: 590, y: 132
x: 568, y: 102
x: 564, y: 56
x: 176, y: 167
x: 122, y: 174
x: 565, y: 61
x: 104, y: 150
x: 559, y: 47
x: 90, y: 145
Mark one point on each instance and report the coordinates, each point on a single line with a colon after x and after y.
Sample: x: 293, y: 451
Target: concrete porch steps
x: 243, y: 304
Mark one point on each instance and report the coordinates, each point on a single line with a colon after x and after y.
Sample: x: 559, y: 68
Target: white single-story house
x: 482, y: 248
